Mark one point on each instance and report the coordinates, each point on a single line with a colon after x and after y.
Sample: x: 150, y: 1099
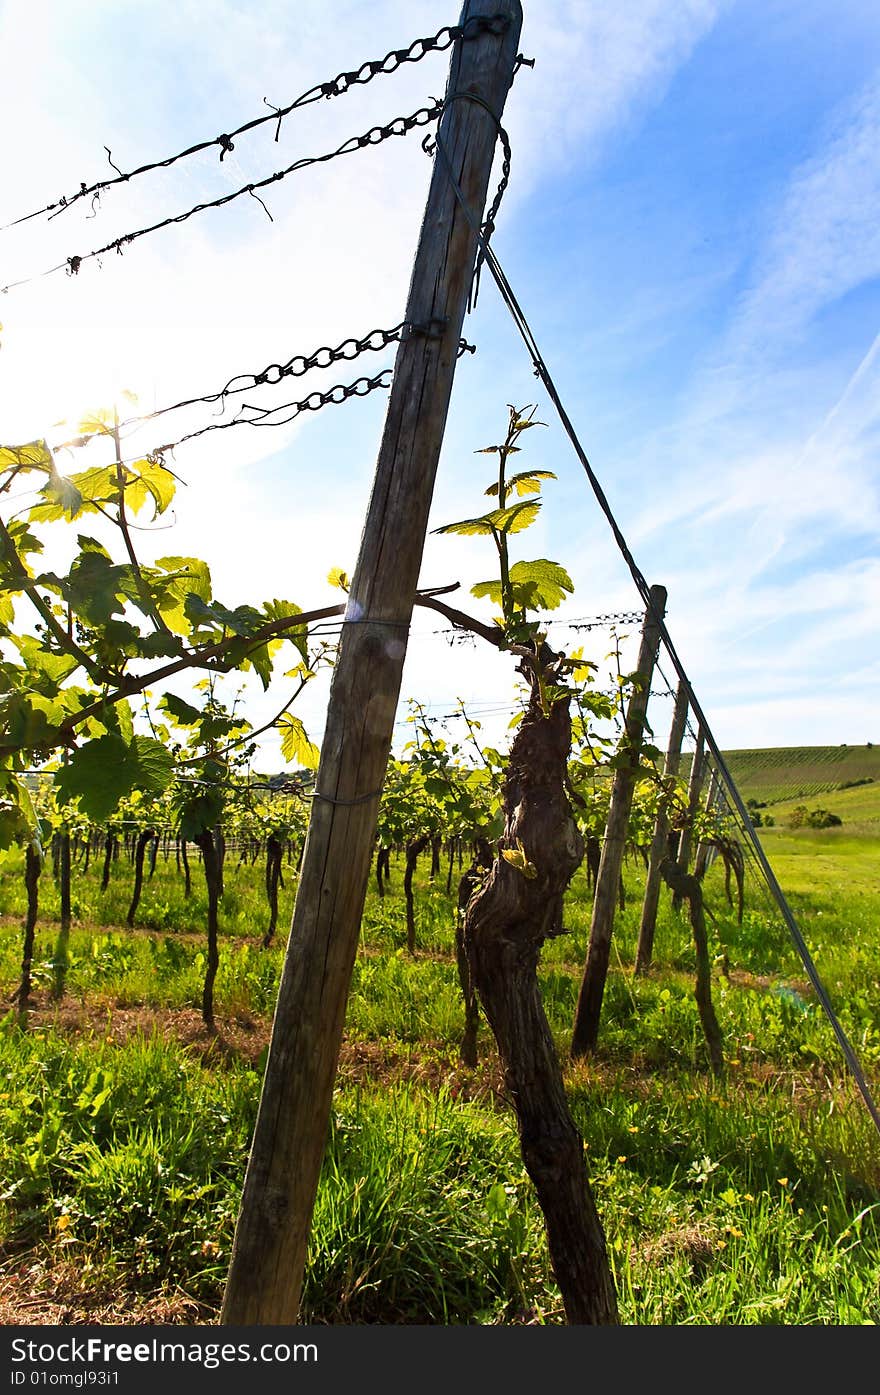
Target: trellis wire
x: 334, y: 87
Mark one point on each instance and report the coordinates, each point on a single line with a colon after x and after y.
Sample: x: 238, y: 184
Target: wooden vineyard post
x: 659, y: 842
x: 704, y: 850
x: 589, y: 1006
x: 268, y: 1257
x: 695, y: 785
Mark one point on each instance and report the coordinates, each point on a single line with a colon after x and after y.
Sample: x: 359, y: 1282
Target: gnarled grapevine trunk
x: 33, y: 863
x: 383, y: 869
x: 144, y: 839
x: 687, y: 888
x: 109, y: 847
x: 593, y: 858
x: 660, y: 846
x: 59, y: 956
x: 274, y: 855
x: 506, y: 923
x: 413, y: 848
x: 471, y: 879
x: 187, y: 875
x: 211, y: 862
x: 609, y: 886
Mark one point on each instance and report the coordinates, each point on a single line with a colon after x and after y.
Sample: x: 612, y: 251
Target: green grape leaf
x: 528, y: 482
x: 297, y: 635
x: 183, y: 714
x: 47, y: 670
x: 96, y: 586
x: 468, y: 527
x: 187, y: 576
x: 14, y: 827
x: 97, y: 421
x: 31, y: 721
x: 160, y: 646
x: 296, y: 748
x: 202, y: 811
x: 63, y: 495
x: 260, y: 660
x: 153, y: 480
x: 517, y: 858
x: 510, y: 520
x: 242, y: 621
x: 35, y: 455
x: 516, y: 517
x: 491, y: 589
x: 102, y: 772
x: 540, y: 585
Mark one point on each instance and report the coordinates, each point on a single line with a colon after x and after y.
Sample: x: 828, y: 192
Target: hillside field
x: 785, y: 773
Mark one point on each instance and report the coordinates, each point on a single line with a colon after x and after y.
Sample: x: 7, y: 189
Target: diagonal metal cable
x: 543, y: 373
x: 334, y: 87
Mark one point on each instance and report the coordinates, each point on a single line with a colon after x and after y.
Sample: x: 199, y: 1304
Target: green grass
x: 751, y: 1200
x: 714, y: 1212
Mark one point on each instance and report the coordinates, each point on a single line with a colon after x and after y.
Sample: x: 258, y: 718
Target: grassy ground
x: 748, y: 1199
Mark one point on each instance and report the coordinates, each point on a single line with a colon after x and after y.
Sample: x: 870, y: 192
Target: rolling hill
x: 774, y: 775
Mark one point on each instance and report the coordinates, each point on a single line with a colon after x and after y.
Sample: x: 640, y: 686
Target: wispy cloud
x: 824, y: 238
x: 780, y: 427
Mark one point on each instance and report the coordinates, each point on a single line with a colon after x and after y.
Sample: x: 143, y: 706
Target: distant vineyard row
x: 796, y: 772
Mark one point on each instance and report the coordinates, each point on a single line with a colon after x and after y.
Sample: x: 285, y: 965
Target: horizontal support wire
x: 542, y: 372
x: 399, y: 126
x: 350, y: 349
x: 335, y: 87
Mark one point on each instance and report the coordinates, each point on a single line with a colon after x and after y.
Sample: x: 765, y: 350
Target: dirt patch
x: 41, y: 1291
x: 240, y: 1038
x: 770, y: 983
x: 244, y: 1039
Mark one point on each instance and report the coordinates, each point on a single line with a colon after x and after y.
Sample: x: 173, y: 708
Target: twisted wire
x: 334, y: 87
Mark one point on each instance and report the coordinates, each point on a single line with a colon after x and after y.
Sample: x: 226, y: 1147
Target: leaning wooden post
x: 589, y: 1007
x: 695, y: 785
x: 659, y: 842
x: 269, y: 1250
x: 704, y: 850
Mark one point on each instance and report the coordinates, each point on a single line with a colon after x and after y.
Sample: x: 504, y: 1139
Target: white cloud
x: 597, y: 68
x: 824, y: 240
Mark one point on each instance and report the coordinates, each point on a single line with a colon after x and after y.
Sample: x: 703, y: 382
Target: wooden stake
x: 695, y: 785
x: 703, y: 859
x: 268, y: 1257
x: 659, y: 842
x: 589, y: 1007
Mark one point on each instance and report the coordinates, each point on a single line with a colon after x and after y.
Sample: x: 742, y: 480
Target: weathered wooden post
x: 703, y: 859
x: 589, y: 1007
x: 659, y: 842
x: 269, y: 1250
x: 695, y: 785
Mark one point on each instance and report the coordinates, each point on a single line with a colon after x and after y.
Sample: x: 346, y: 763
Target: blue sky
x: 692, y: 226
